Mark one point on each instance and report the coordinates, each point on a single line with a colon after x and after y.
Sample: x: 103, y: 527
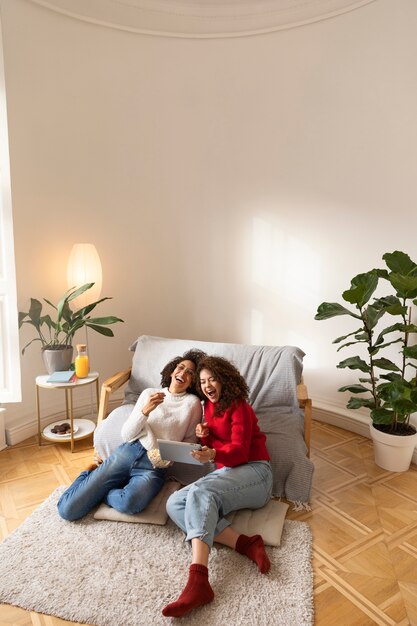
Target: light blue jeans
x: 126, y: 481
x: 199, y: 508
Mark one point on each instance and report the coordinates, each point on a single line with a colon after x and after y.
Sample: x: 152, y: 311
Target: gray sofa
x: 277, y: 394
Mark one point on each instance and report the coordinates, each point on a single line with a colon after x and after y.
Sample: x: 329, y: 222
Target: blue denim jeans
x: 199, y: 508
x: 126, y: 481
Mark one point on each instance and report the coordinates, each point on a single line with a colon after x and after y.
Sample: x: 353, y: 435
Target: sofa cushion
x: 271, y: 372
x: 108, y: 434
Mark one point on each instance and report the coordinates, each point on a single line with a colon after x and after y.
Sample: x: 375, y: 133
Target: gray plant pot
x: 57, y: 359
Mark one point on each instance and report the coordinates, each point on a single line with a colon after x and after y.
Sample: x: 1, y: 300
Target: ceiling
x: 202, y: 18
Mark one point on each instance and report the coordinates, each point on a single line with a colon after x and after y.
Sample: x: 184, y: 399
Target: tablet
x: 179, y: 451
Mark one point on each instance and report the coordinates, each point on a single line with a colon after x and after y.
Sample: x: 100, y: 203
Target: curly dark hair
x: 191, y: 355
x: 234, y: 386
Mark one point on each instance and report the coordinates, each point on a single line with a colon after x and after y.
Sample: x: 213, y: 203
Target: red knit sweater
x: 235, y: 435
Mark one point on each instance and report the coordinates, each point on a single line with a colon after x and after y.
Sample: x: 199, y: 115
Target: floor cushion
x: 267, y: 521
x: 155, y: 512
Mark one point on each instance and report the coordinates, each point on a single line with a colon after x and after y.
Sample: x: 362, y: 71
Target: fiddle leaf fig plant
x: 387, y: 385
x: 60, y: 330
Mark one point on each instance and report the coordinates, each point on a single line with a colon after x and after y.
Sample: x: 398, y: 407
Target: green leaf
x: 66, y: 313
x: 22, y: 317
x: 84, y: 311
x: 362, y: 288
x: 339, y: 339
x: 46, y: 319
x: 372, y: 314
x: 391, y: 305
x: 382, y: 416
x: 35, y: 311
x: 110, y: 319
x: 355, y: 363
x: 382, y: 346
x: 50, y: 303
x: 350, y: 343
x: 403, y: 275
x: 386, y: 364
x: 400, y: 263
x: 355, y: 389
x: 327, y: 310
x: 410, y: 352
x: 398, y: 327
x: 405, y: 286
x: 362, y: 337
x: 74, y: 293
x: 358, y: 403
x: 103, y: 330
x: 399, y: 396
x: 391, y: 376
x: 388, y: 302
x: 393, y: 390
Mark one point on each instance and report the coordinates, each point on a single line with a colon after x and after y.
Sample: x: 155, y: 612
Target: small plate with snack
x: 60, y: 429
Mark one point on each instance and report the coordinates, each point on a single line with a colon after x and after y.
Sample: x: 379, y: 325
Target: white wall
x: 230, y: 185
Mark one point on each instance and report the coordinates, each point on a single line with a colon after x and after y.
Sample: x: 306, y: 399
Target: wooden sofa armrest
x: 109, y: 386
x: 305, y: 403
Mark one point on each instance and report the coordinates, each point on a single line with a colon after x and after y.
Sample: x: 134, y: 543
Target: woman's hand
x: 204, y: 455
x: 154, y: 400
x: 202, y: 430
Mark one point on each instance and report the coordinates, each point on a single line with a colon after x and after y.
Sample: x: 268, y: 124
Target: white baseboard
x: 16, y: 433
x: 3, y: 444
x: 358, y: 425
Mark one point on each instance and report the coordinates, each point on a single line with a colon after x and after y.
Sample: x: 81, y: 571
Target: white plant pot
x: 393, y: 452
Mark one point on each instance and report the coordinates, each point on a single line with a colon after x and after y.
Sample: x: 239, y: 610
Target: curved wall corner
x: 199, y: 19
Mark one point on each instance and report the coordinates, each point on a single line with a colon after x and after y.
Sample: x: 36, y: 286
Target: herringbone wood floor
x: 364, y: 522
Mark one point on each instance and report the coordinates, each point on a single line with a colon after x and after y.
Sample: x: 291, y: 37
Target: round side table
x: 80, y: 428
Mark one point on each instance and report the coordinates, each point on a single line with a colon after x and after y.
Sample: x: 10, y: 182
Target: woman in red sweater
x: 242, y: 479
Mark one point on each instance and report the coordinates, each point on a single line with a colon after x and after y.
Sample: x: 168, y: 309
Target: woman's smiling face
x: 182, y: 377
x: 210, y: 386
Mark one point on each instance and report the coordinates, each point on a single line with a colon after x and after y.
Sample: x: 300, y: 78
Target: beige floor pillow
x: 267, y: 521
x: 155, y: 512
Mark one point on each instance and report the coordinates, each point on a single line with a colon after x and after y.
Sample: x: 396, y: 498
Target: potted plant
x: 56, y: 335
x: 386, y: 386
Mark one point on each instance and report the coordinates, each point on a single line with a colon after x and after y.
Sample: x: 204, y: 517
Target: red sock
x: 197, y: 592
x: 254, y: 549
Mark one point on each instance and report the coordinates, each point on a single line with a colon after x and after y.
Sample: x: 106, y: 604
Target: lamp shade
x: 84, y: 266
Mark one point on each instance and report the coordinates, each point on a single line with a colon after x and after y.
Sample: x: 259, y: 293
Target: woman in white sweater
x: 128, y: 480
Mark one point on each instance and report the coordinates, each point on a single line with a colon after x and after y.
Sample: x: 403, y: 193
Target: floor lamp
x: 84, y: 266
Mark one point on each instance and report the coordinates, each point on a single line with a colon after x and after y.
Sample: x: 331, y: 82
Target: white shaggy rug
x: 115, y: 574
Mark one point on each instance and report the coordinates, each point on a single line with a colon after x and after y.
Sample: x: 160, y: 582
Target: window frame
x: 10, y: 376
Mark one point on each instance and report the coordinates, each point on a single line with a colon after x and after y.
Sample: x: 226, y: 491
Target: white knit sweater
x: 175, y: 419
